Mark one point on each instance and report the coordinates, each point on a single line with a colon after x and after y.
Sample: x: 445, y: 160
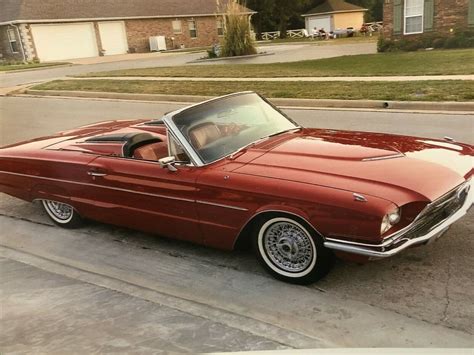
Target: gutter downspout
x: 21, y: 41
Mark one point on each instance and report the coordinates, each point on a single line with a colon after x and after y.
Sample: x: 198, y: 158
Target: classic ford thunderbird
x: 235, y: 171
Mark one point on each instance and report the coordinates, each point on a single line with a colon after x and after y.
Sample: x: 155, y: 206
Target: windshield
x: 219, y: 128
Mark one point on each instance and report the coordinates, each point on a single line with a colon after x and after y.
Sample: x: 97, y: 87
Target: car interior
x: 203, y: 134
x: 151, y: 151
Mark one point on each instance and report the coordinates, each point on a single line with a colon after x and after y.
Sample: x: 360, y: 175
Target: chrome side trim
x: 370, y: 249
x: 349, y: 242
x: 100, y: 186
x: 222, y: 205
x: 385, y: 157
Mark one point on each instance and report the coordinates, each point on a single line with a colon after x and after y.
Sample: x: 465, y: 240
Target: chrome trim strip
x: 100, y: 186
x: 222, y: 205
x: 343, y: 241
x: 391, y: 156
x: 368, y: 249
x: 359, y: 197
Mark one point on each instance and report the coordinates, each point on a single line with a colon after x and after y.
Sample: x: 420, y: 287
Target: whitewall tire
x: 62, y: 214
x: 291, y: 250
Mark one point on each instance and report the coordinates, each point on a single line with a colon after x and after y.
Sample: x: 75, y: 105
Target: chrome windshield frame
x: 188, y: 148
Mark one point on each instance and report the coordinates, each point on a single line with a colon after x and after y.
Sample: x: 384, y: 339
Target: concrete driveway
x: 282, y: 53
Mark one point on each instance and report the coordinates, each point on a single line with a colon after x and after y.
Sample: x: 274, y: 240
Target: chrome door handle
x: 95, y: 174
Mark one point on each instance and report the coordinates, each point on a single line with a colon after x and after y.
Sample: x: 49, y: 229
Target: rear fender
x: 50, y: 192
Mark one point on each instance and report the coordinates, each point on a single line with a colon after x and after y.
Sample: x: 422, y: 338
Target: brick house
x: 52, y: 30
x: 412, y: 18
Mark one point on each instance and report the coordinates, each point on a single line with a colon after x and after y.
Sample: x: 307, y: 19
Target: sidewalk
x: 284, y: 79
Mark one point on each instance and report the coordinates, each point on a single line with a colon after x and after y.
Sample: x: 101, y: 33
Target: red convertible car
x: 235, y: 171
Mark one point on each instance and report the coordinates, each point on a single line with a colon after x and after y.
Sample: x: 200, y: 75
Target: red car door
x: 141, y: 195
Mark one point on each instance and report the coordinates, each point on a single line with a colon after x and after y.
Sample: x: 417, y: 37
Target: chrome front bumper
x: 394, y: 245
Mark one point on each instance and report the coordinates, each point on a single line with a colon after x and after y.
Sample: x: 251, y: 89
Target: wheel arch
x: 44, y: 191
x: 49, y: 192
x: 243, y: 240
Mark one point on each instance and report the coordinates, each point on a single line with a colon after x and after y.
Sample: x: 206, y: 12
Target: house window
x: 414, y: 16
x: 470, y: 13
x: 220, y: 27
x: 192, y: 28
x: 177, y: 27
x: 12, y: 40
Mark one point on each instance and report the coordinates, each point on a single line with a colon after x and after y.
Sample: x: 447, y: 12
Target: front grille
x: 437, y: 212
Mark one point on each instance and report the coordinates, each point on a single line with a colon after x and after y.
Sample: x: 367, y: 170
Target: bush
x: 237, y: 39
x: 459, y: 39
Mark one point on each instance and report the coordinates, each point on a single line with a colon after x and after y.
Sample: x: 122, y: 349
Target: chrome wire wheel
x: 61, y: 213
x: 287, y: 247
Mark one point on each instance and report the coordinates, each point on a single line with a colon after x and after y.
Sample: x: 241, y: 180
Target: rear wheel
x: 291, y: 250
x: 62, y: 214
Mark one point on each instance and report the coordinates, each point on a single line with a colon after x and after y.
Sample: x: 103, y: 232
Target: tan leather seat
x: 203, y: 134
x: 154, y: 151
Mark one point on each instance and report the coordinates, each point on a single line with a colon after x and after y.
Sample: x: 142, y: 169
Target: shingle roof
x: 330, y: 6
x: 17, y: 10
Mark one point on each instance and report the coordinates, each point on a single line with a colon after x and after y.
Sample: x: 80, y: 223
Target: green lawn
x: 460, y: 61
x: 22, y: 66
x: 449, y: 90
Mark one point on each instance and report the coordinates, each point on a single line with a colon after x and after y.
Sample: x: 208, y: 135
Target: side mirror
x: 168, y: 162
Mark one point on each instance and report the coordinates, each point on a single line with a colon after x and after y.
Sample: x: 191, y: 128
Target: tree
x: 263, y: 20
x: 285, y: 10
x: 375, y: 8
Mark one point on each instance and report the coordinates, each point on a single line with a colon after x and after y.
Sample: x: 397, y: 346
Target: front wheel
x: 62, y: 214
x: 291, y: 250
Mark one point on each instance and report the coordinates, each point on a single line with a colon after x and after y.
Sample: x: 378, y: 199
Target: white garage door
x: 319, y: 22
x: 113, y: 37
x: 64, y: 41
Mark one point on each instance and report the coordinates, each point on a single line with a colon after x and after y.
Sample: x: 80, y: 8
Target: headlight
x: 389, y: 220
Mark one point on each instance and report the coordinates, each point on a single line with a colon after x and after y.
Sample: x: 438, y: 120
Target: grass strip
x: 438, y: 62
x: 10, y: 67
x: 449, y: 90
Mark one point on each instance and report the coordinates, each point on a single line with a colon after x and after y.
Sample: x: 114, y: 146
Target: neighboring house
x: 414, y: 17
x: 334, y: 14
x: 53, y: 30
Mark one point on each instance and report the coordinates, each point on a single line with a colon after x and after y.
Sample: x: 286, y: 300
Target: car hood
x: 397, y: 168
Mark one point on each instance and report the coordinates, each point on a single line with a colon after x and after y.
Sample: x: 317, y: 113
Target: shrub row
x: 457, y: 39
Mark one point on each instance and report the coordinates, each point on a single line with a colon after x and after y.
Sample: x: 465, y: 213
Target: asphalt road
x: 145, y: 293
x: 24, y: 118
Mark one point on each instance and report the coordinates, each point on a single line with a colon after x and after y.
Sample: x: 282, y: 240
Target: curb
x: 378, y: 104
x: 302, y: 103
x: 119, y: 96
x: 263, y: 54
